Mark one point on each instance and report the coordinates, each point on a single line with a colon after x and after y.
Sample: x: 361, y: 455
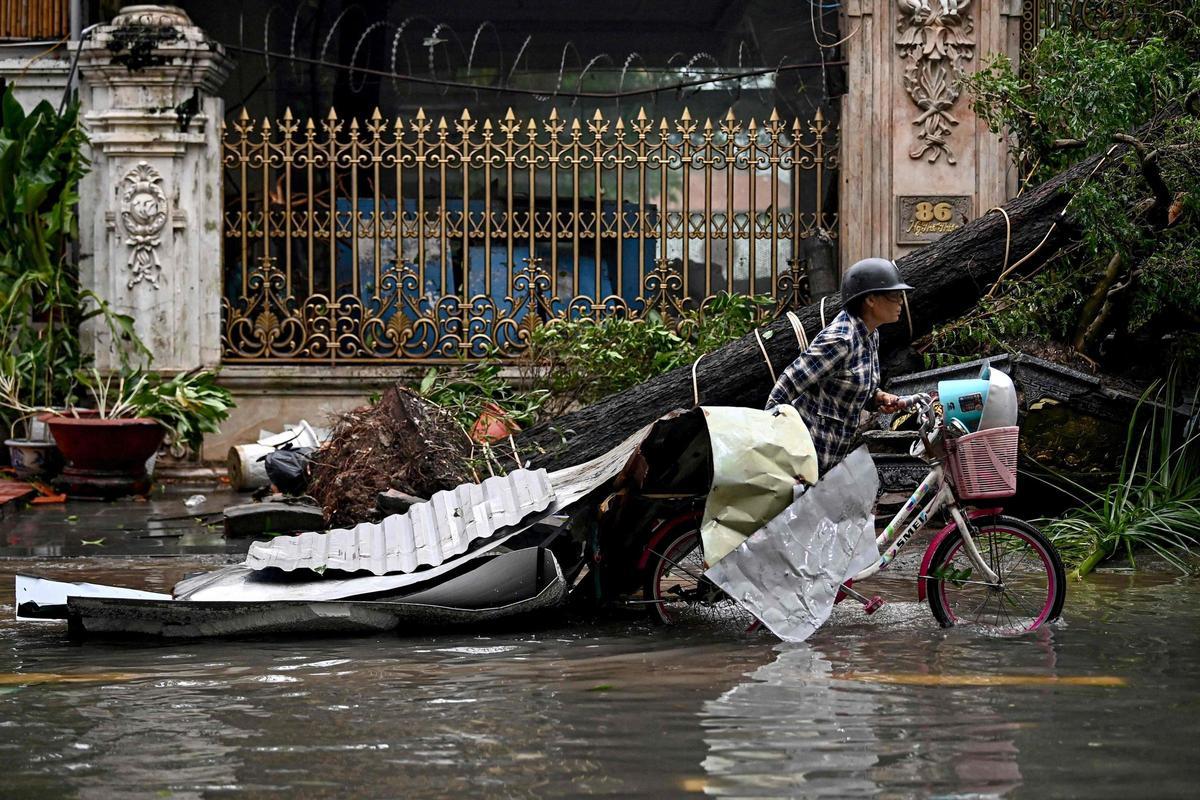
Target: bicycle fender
x: 937, y: 540
x: 665, y: 529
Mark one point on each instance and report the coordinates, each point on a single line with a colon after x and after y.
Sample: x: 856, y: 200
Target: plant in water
x: 1155, y: 501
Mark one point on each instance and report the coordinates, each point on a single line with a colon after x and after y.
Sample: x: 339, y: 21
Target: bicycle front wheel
x: 1031, y: 589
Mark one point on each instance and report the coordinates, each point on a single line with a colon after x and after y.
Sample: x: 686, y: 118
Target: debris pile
x: 403, y: 442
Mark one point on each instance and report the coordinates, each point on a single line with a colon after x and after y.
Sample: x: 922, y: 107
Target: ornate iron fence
x: 1095, y: 17
x: 411, y: 241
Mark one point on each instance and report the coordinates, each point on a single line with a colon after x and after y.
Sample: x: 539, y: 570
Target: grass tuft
x: 1155, y: 502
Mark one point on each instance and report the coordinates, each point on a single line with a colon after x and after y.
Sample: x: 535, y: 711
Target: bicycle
x: 984, y: 567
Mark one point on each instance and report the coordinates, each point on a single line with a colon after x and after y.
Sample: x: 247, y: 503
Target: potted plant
x: 31, y: 448
x: 107, y: 448
x: 34, y: 456
x: 44, y: 373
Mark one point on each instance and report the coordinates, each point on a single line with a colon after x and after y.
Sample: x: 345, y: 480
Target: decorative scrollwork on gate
x: 413, y: 241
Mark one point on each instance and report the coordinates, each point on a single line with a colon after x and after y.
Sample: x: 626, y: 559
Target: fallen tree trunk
x: 949, y: 275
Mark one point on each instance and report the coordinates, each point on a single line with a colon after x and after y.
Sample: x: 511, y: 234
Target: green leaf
x: 429, y: 380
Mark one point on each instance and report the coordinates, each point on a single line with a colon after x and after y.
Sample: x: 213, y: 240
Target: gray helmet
x: 871, y: 275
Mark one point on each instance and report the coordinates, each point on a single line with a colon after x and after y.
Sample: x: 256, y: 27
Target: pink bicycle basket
x: 983, y: 465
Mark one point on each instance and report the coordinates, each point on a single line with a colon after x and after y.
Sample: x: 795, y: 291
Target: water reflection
x: 884, y: 706
x: 166, y: 734
x: 799, y: 726
x: 787, y: 730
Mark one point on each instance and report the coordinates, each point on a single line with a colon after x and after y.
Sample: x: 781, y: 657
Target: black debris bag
x: 287, y: 468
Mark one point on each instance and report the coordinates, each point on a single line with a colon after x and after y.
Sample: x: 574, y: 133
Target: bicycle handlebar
x: 924, y: 405
x: 909, y: 400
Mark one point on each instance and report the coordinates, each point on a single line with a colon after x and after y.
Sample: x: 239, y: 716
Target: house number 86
x: 927, y: 212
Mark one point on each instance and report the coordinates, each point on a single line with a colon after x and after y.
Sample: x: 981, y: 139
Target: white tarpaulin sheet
x: 788, y: 573
x: 757, y: 457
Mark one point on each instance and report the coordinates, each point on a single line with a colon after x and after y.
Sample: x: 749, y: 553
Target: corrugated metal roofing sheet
x: 426, y: 535
x: 240, y: 583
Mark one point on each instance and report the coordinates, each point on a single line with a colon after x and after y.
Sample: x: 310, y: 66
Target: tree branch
x: 1148, y: 160
x: 1097, y: 326
x: 1093, y: 310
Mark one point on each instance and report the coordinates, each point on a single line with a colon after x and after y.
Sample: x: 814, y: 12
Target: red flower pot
x: 493, y: 425
x: 105, y: 457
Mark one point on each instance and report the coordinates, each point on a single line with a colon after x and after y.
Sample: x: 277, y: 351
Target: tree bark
x: 949, y: 275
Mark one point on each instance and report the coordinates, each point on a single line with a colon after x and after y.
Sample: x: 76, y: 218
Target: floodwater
x: 1104, y: 704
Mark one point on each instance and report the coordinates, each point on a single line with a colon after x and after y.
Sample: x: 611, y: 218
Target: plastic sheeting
x: 757, y: 457
x: 788, y: 573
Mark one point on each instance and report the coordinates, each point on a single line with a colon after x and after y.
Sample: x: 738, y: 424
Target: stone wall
x: 34, y: 74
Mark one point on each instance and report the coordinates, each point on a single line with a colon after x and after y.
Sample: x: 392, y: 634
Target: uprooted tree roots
x: 403, y: 442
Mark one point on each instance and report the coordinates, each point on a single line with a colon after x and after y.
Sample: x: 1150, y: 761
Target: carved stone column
x: 916, y: 162
x: 150, y: 209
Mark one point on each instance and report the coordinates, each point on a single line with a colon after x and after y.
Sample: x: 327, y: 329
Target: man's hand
x: 886, y: 403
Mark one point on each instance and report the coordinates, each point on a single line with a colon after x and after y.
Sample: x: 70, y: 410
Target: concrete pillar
x: 916, y: 162
x: 150, y: 209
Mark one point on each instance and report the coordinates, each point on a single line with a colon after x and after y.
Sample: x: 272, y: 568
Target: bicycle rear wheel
x: 1032, y: 586
x: 676, y: 586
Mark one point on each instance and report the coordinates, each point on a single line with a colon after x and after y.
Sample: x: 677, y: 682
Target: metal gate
x: 1092, y: 17
x: 411, y: 241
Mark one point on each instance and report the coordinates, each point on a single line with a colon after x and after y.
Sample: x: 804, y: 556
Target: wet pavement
x: 161, y: 525
x: 1103, y: 704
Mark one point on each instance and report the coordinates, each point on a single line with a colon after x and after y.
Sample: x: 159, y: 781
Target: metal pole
x: 75, y: 16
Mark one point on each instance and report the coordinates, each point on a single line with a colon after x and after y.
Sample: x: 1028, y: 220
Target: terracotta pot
x: 105, y: 457
x: 493, y: 425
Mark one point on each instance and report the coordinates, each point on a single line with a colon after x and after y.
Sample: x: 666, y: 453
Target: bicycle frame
x: 943, y: 496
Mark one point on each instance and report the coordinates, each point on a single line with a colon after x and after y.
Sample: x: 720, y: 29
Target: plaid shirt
x: 831, y: 383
